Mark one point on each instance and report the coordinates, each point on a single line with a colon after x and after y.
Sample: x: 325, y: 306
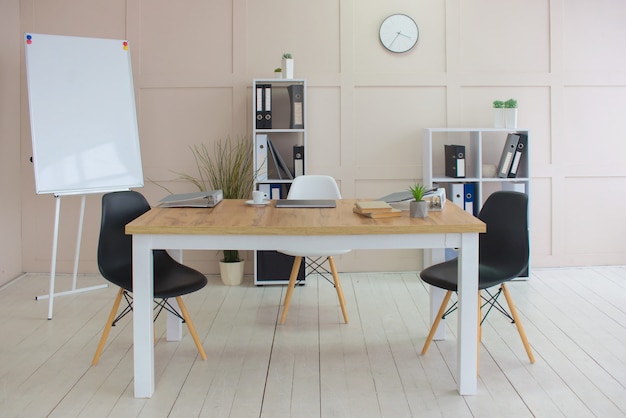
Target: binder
x: 276, y: 191
x: 267, y: 106
x: 261, y: 161
x: 260, y: 119
x: 457, y: 194
x: 298, y: 160
x: 507, y: 155
x: 520, y: 152
x: 469, y: 197
x: 455, y: 161
x: 274, y: 174
x: 296, y: 99
x: 265, y: 188
x: 280, y: 163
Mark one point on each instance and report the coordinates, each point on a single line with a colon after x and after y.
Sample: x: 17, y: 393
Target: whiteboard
x: 82, y: 114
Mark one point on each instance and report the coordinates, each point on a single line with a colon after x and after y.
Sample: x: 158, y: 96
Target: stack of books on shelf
x: 375, y: 209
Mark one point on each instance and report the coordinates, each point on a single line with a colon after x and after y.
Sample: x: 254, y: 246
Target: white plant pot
x: 498, y: 117
x: 510, y: 118
x: 287, y: 65
x: 232, y: 273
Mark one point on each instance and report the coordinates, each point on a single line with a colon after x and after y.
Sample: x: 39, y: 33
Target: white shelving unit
x: 483, y: 147
x: 271, y: 267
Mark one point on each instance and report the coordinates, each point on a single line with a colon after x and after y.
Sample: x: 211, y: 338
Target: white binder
x: 261, y: 157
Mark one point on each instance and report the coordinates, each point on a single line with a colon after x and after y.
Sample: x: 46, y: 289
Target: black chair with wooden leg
x: 503, y: 256
x: 171, y: 279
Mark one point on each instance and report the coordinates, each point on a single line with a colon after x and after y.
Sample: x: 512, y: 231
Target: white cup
x: 258, y: 196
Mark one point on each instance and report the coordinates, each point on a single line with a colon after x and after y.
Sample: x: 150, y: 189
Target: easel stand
x: 53, y: 266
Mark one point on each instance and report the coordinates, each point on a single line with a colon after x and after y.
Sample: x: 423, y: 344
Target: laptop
x: 306, y: 203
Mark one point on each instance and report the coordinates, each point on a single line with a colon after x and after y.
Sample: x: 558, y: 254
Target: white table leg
x: 174, y: 324
x: 468, y: 315
x: 143, y: 331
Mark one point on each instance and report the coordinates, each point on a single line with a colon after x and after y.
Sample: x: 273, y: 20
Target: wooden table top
x: 235, y: 217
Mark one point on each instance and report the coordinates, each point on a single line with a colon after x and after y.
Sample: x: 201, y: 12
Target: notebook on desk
x: 306, y: 203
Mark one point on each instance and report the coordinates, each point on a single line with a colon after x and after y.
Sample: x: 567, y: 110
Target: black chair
x: 503, y: 256
x: 171, y: 279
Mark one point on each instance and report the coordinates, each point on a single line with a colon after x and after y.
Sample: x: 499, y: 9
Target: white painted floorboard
x: 315, y: 365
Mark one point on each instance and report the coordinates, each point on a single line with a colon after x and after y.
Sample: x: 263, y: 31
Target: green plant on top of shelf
x: 510, y: 104
x: 287, y: 56
x: 498, y: 104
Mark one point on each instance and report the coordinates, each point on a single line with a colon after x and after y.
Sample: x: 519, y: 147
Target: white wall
x: 194, y: 61
x: 10, y: 187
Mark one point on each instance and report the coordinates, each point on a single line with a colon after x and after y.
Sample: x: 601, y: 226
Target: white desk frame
x: 143, y: 244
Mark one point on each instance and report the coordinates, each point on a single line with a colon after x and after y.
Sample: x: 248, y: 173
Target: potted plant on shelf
x: 419, y: 208
x: 510, y: 113
x: 498, y: 114
x: 278, y: 73
x: 287, y: 65
x: 230, y: 169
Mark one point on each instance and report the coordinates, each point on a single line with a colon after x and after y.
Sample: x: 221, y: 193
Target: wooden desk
x: 234, y: 225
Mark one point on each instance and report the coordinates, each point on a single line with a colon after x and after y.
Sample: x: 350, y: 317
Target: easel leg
x: 53, y: 266
x: 55, y: 242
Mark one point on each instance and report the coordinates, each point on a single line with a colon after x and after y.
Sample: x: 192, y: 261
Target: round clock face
x: 398, y: 33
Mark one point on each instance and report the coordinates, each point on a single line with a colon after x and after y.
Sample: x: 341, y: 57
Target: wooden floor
x: 315, y: 366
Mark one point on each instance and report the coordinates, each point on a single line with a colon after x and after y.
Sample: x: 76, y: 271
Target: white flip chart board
x: 82, y: 114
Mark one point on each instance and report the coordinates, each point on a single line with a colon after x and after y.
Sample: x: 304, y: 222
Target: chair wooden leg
x: 107, y: 327
x: 518, y: 323
x: 342, y: 299
x: 290, y: 287
x: 192, y: 329
x: 437, y: 321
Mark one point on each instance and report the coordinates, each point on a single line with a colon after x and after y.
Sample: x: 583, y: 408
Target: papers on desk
x: 207, y: 199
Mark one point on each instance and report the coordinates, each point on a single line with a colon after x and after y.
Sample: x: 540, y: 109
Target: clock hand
x: 394, y: 39
x: 406, y: 36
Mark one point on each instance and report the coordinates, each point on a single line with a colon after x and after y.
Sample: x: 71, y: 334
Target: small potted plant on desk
x: 227, y: 168
x: 419, y: 208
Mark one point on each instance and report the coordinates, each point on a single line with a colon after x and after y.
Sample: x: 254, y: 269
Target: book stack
x: 375, y: 209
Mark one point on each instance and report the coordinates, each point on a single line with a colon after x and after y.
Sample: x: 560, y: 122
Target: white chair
x: 314, y: 187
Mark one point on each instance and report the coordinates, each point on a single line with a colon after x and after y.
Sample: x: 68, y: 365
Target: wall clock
x: 398, y: 33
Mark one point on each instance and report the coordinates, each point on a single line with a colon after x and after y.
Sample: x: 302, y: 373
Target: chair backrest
x: 114, y: 246
x: 505, y: 245
x: 314, y: 187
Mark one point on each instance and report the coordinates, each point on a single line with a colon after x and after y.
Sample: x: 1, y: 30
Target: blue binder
x: 469, y: 198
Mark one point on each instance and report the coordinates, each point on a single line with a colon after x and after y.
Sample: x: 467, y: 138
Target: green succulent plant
x: 418, y: 191
x: 510, y: 104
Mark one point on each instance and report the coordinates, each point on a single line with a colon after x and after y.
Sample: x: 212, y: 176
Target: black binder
x: 267, y: 106
x: 518, y: 155
x: 260, y: 108
x: 298, y: 160
x: 296, y: 99
x: 508, y: 151
x: 455, y: 161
